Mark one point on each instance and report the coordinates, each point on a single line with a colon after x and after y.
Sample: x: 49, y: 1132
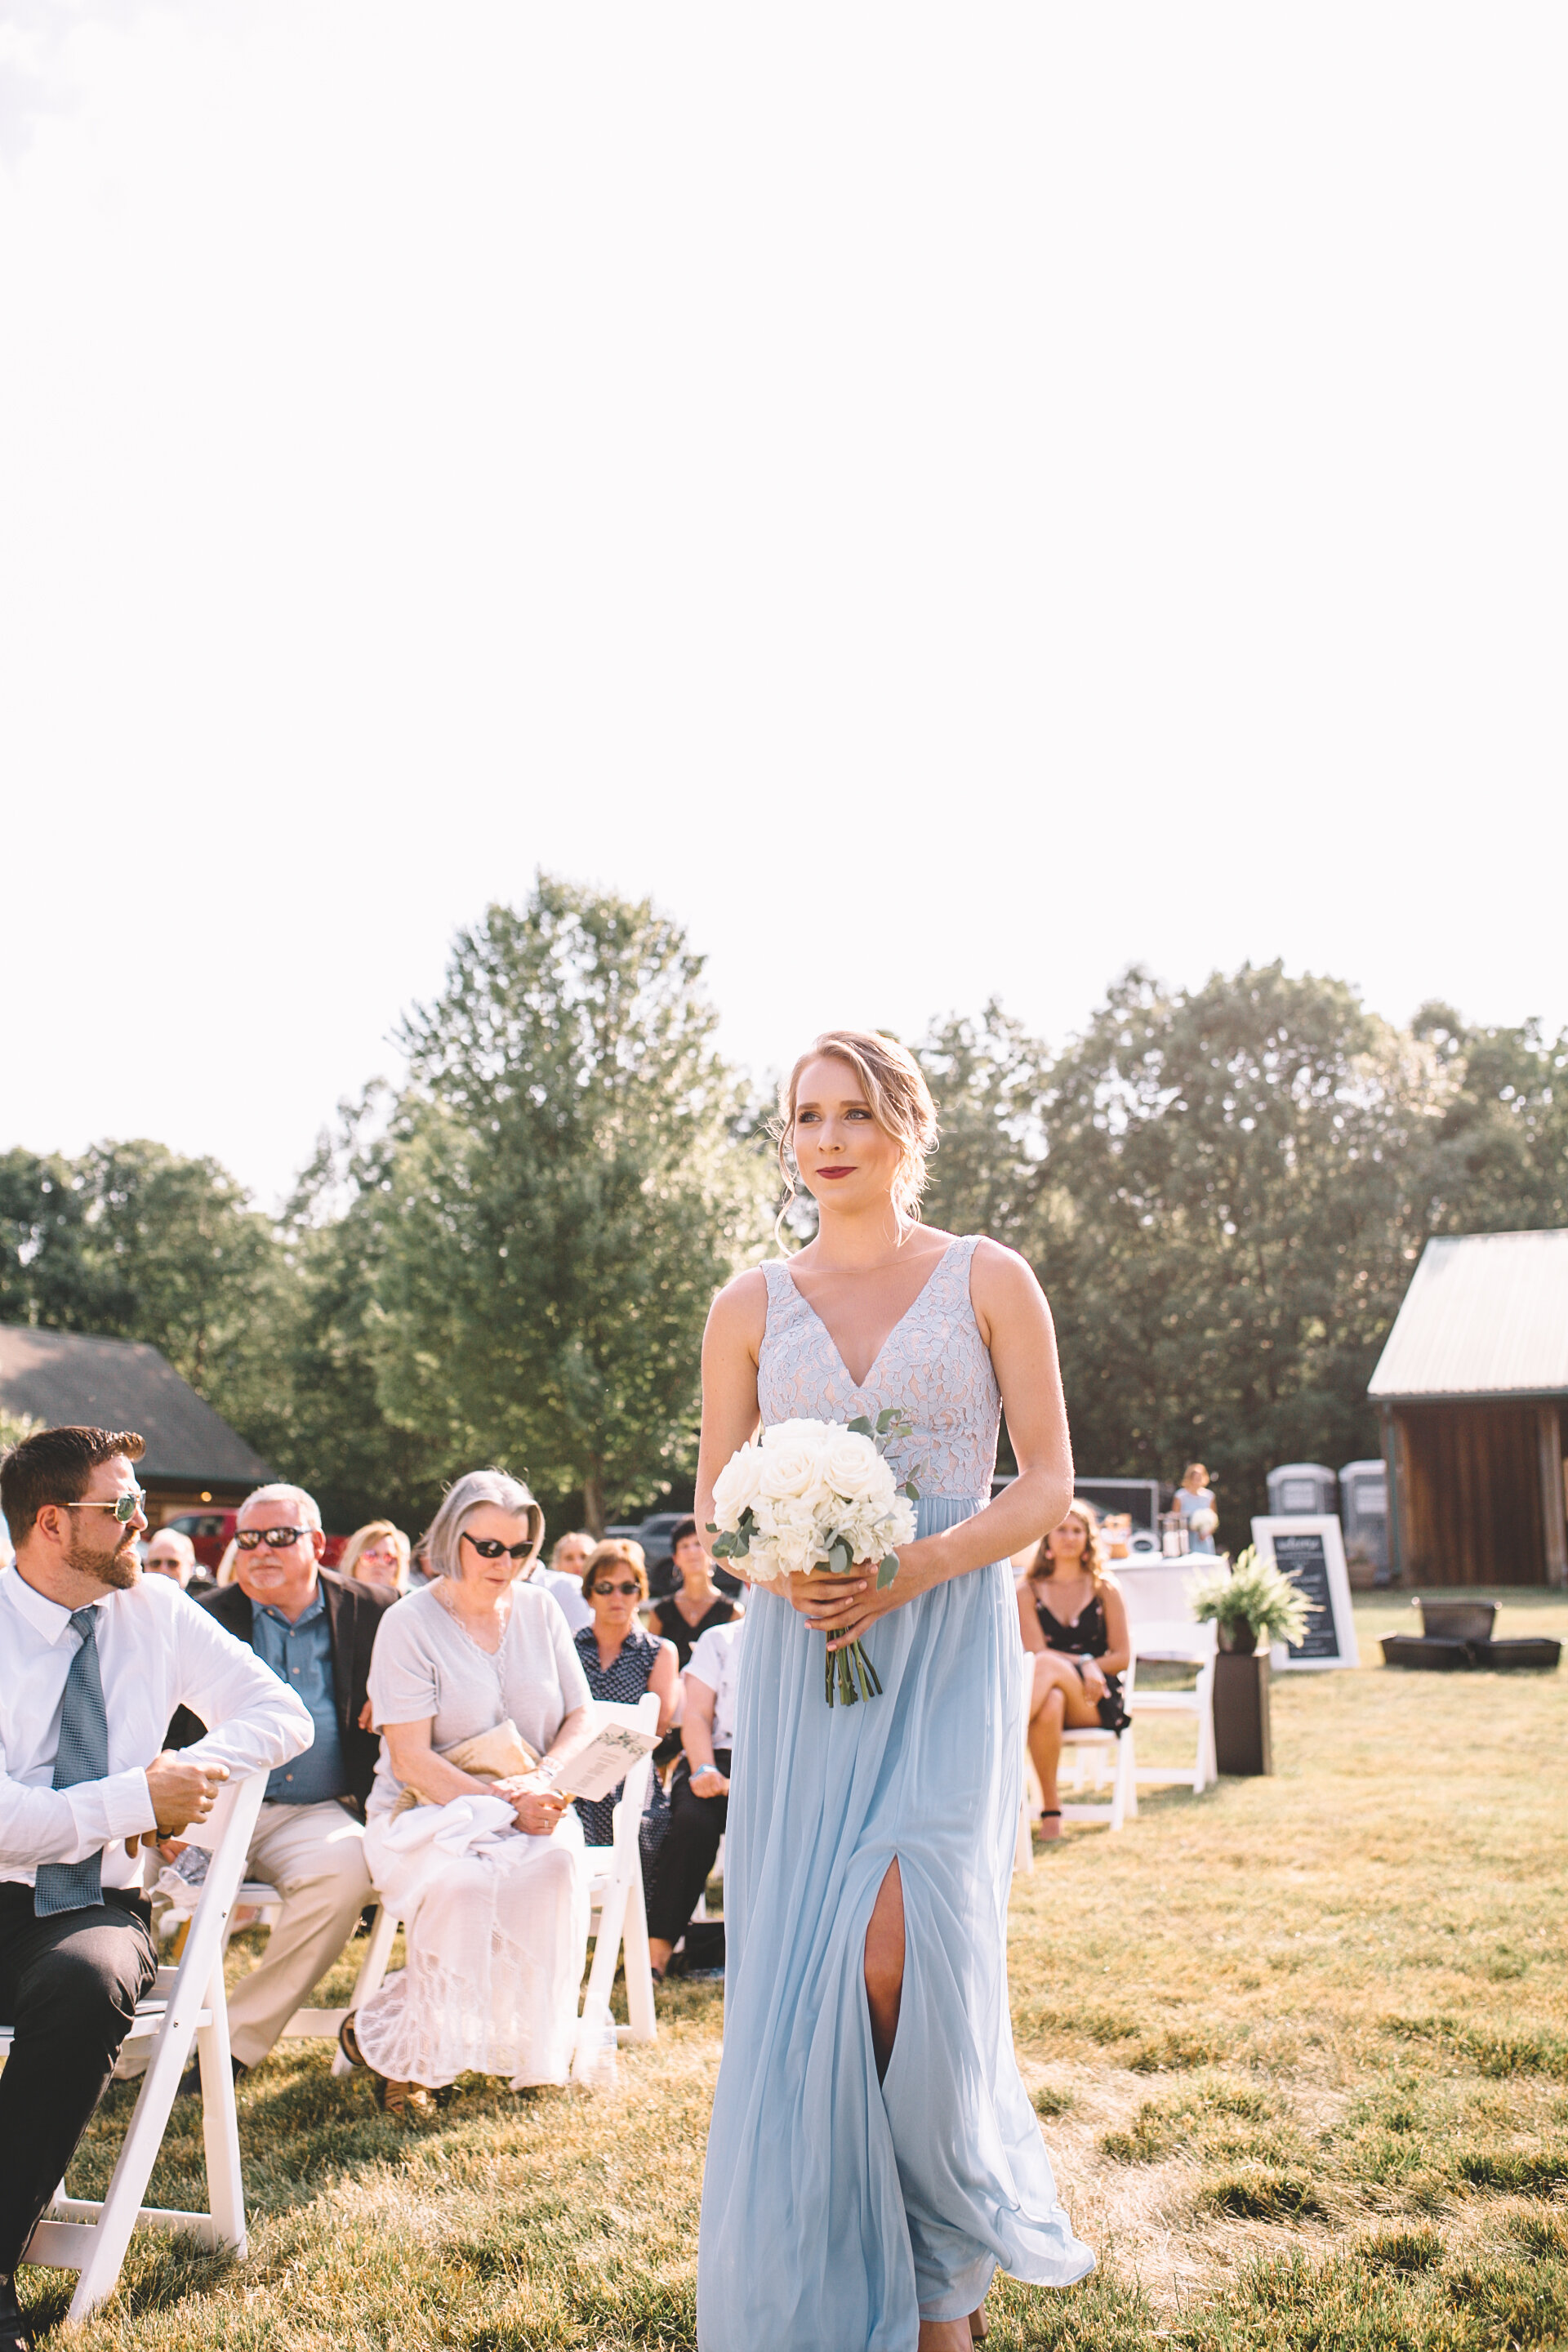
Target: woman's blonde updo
x: 900, y: 1103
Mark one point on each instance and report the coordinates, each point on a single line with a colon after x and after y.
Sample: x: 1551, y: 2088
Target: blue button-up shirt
x: 301, y: 1655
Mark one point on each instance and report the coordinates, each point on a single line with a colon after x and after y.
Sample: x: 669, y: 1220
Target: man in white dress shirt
x: 94, y: 1659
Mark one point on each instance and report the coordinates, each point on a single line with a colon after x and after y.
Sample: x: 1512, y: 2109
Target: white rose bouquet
x: 814, y: 1497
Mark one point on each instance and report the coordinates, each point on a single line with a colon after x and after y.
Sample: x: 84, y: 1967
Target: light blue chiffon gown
x: 837, y: 2213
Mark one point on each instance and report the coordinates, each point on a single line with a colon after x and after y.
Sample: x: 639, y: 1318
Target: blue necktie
x: 82, y: 1755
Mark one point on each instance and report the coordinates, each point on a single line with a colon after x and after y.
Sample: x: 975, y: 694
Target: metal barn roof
x: 1486, y: 1315
x: 67, y: 1376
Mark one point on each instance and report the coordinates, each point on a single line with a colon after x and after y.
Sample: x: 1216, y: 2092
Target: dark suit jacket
x: 353, y: 1612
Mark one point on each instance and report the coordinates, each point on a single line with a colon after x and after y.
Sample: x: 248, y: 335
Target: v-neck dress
x: 837, y: 2213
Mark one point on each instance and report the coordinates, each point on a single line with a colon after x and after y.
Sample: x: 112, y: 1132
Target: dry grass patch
x: 1298, y: 2048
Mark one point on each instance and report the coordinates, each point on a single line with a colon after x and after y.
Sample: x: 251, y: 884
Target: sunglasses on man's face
x: 487, y: 1548
x: 124, y: 1507
x: 633, y: 1588
x: 277, y: 1538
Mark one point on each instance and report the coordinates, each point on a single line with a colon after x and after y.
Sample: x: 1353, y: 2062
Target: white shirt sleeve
x: 67, y: 1824
x: 258, y: 1722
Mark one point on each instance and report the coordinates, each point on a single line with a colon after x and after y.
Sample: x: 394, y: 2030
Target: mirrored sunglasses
x: 618, y: 1588
x: 276, y: 1538
x: 124, y: 1507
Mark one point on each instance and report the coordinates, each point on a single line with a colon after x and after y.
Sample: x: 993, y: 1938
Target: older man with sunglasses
x: 316, y: 1632
x: 94, y: 1657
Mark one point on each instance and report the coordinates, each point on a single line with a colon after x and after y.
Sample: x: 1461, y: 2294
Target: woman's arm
x: 697, y: 1738
x: 736, y: 1322
x: 570, y: 1725
x: 1029, y: 1621
x: 664, y: 1681
x: 1015, y: 1325
x: 1118, y: 1639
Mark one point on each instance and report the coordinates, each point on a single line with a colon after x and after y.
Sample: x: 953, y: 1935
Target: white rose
x: 791, y: 1464
x: 854, y: 1470
x: 735, y: 1488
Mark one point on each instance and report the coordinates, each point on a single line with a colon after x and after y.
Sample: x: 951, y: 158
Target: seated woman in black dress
x: 621, y: 1663
x: 686, y: 1616
x: 1074, y: 1624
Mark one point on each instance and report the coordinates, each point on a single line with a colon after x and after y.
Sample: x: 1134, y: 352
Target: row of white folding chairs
x: 187, y: 2004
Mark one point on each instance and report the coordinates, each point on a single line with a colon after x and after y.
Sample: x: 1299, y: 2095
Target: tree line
x: 508, y: 1258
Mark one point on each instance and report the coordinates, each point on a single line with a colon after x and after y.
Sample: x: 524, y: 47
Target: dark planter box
x: 1241, y: 1738
x: 1512, y: 1657
x: 1432, y: 1657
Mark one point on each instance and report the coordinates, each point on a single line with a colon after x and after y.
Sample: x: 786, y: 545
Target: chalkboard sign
x: 1311, y: 1552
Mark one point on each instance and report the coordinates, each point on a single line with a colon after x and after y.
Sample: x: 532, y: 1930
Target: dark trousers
x: 68, y: 1990
x: 689, y: 1849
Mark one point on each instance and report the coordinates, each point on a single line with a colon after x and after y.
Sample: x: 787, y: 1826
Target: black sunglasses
x: 276, y: 1538
x: 617, y: 1588
x: 487, y: 1548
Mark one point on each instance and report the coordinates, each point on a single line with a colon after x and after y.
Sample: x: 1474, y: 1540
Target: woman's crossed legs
x: 1058, y: 1703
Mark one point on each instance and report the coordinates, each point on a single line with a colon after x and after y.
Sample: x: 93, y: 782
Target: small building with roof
x: 193, y: 1456
x: 1472, y: 1391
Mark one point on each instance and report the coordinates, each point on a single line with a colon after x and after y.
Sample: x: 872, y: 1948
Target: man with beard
x: 94, y: 1659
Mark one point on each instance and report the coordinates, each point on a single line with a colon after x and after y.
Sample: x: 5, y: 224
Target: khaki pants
x: 314, y: 1856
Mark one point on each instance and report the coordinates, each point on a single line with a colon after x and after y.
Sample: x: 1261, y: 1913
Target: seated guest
x: 169, y: 1553
x: 563, y: 1577
x: 1074, y: 1624
x: 377, y: 1554
x: 496, y: 1915
x: 315, y: 1630
x: 699, y: 1791
x: 687, y: 1615
x: 621, y: 1663
x: 97, y: 1658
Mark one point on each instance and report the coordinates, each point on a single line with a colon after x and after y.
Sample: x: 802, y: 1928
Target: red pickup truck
x: 212, y: 1532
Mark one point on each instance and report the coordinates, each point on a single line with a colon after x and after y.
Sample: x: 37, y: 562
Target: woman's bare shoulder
x: 740, y: 1311
x: 999, y: 1278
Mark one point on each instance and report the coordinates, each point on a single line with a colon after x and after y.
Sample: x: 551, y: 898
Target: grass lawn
x: 1299, y: 2049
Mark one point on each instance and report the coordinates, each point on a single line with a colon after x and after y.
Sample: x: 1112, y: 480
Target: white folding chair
x: 616, y: 1892
x: 187, y: 2004
x: 1089, y: 1758
x: 1178, y: 1643
x: 306, y: 2024
x: 618, y: 1914
x: 1095, y: 1758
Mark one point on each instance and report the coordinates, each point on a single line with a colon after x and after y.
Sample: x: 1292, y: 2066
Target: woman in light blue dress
x: 873, y: 2156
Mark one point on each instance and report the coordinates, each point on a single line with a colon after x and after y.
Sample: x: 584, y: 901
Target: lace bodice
x: 934, y: 1364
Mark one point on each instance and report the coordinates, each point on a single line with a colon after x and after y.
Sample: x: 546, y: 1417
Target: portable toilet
x: 1363, y: 1506
x: 1302, y: 1490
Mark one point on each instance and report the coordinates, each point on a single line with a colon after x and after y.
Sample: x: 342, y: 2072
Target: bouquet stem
x: 851, y: 1676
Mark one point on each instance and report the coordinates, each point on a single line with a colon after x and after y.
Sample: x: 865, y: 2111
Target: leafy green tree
x: 565, y: 1186
x: 133, y: 1242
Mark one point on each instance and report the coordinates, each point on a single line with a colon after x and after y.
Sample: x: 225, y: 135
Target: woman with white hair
x: 485, y: 1868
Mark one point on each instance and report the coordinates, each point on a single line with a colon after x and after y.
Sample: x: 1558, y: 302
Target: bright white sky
x: 944, y: 500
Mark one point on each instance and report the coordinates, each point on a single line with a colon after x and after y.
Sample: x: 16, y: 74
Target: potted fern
x: 1253, y: 1598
